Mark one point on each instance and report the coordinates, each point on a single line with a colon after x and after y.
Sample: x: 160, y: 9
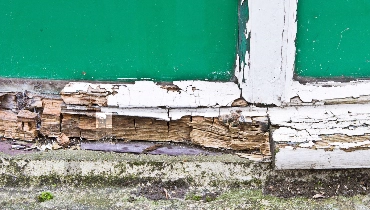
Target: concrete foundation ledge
x: 163, y: 176
x: 89, y: 168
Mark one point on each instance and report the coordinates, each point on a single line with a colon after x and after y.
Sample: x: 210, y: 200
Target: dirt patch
x: 318, y: 183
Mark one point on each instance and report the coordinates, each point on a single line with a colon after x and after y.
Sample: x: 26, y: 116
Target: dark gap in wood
x: 135, y: 125
x: 60, y: 122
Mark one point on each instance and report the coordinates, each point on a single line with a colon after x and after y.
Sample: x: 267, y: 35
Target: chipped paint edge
x: 149, y: 94
x: 321, y: 137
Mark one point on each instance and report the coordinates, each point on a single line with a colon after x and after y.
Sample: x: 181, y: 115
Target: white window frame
x: 269, y: 76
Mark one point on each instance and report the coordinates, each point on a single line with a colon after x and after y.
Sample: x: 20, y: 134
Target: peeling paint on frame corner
x: 244, y: 40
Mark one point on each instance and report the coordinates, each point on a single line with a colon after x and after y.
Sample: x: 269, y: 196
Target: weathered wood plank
x: 149, y: 94
x: 8, y: 124
x: 51, y: 117
x: 21, y: 126
x: 232, y: 133
x: 234, y: 130
x: 88, y: 114
x: 27, y: 125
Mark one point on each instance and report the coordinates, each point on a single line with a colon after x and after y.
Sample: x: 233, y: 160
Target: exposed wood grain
x: 89, y: 96
x: 9, y: 124
x: 70, y: 125
x: 85, y: 114
x: 27, y: 125
x: 21, y: 126
x: 249, y: 135
x: 230, y: 133
x: 51, y: 117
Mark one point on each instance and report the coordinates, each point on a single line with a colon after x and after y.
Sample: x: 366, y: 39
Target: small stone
x: 18, y: 147
x: 75, y: 147
x: 56, y: 146
x: 46, y: 147
x: 318, y: 196
x: 63, y: 140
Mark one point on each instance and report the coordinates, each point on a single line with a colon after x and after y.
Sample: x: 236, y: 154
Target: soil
x: 318, y: 183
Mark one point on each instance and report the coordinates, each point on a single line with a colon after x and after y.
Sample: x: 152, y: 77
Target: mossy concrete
x: 176, y: 173
x: 122, y: 198
x: 117, y: 169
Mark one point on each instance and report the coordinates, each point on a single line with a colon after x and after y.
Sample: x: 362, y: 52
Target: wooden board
x: 321, y: 137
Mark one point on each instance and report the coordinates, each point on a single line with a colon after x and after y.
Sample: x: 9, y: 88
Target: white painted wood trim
x: 321, y: 137
x: 149, y: 94
x: 263, y: 73
x: 305, y: 124
x: 302, y: 158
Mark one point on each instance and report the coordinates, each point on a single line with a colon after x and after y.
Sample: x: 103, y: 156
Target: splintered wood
x: 22, y: 126
x: 51, y: 117
x: 9, y: 124
x: 249, y: 135
x: 85, y: 114
x: 90, y: 96
x: 102, y: 126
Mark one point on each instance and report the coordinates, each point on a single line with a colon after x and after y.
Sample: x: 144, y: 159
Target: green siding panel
x: 118, y: 39
x: 333, y: 39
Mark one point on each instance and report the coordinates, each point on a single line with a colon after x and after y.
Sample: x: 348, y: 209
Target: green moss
x: 45, y: 196
x: 120, y: 168
x: 209, y: 199
x: 276, y: 150
x: 193, y: 196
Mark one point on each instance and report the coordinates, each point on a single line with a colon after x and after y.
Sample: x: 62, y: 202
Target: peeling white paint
x: 321, y: 137
x: 264, y: 74
x: 328, y: 90
x: 304, y: 124
x: 150, y: 94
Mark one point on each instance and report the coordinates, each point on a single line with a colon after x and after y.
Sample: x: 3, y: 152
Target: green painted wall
x: 162, y: 40
x: 333, y: 38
